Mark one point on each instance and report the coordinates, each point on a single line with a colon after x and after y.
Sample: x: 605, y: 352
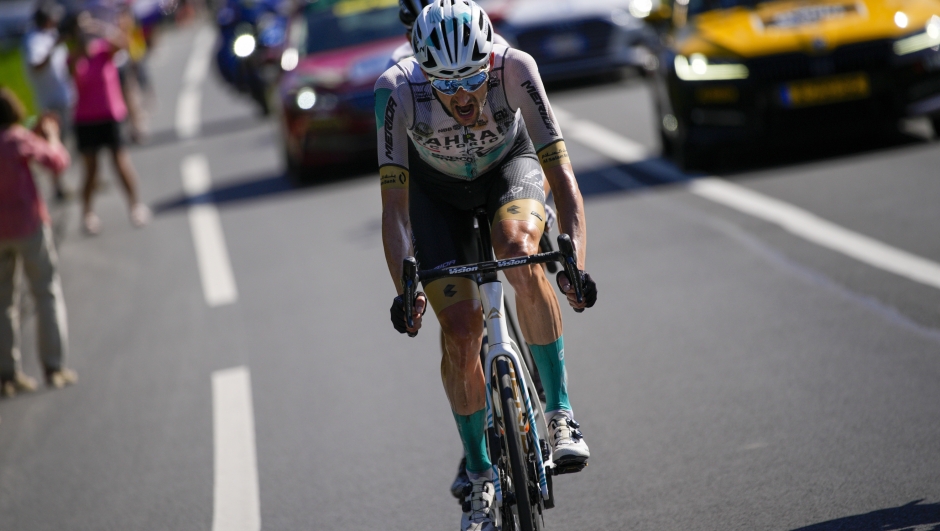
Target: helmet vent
x: 477, y: 55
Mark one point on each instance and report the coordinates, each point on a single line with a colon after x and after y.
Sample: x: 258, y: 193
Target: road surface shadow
x: 911, y: 517
x: 258, y: 187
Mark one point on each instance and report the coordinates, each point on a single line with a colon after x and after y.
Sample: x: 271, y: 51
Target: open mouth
x: 465, y: 112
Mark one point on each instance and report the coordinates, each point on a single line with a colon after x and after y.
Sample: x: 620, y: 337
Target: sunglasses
x: 471, y: 83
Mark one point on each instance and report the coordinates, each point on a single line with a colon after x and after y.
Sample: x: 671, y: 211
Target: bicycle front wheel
x: 525, y: 487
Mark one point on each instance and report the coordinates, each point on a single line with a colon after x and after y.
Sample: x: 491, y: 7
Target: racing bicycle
x: 515, y: 419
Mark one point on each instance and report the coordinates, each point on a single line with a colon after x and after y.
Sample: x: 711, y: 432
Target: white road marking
x: 190, y: 97
x: 819, y: 231
x: 236, y: 505
x: 600, y: 139
x: 793, y: 219
x: 215, y: 269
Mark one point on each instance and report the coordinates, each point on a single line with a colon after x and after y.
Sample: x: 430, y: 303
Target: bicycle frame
x: 501, y: 345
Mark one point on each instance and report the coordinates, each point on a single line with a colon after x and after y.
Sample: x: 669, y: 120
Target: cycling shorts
x: 442, y: 207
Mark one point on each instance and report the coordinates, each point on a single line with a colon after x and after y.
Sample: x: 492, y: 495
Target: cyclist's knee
x: 512, y: 238
x: 461, y: 323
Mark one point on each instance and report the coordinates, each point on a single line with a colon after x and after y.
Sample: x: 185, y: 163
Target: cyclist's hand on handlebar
x: 398, y: 314
x: 589, y: 290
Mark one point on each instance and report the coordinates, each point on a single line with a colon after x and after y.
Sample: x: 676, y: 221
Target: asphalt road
x: 733, y: 375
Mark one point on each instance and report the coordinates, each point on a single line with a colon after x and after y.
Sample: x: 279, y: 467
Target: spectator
x: 98, y: 114
x: 48, y: 68
x: 25, y: 235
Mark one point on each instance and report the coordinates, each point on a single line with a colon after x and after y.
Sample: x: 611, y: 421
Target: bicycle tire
x: 523, y: 482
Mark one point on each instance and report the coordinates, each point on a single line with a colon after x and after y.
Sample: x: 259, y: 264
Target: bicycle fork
x: 502, y: 345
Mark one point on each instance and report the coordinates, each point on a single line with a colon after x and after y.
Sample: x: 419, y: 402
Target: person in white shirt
x: 47, y: 56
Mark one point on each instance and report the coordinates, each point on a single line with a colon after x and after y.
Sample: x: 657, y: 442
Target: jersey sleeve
x: 52, y: 156
x: 524, y: 91
x: 391, y: 119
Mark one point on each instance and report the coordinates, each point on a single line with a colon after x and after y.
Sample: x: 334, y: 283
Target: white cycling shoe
x: 478, y: 511
x: 568, y: 446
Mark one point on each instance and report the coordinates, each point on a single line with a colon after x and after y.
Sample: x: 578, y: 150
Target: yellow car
x: 737, y: 71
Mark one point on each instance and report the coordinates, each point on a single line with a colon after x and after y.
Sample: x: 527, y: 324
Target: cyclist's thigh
x: 517, y: 194
x: 442, y: 236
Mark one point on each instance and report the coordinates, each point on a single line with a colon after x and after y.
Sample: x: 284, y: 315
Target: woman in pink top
x: 25, y: 235
x: 99, y: 111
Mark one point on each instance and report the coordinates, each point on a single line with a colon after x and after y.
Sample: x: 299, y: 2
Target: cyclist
x: 408, y: 13
x: 469, y: 108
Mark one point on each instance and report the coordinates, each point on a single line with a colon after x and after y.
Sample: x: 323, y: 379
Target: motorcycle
x: 252, y: 36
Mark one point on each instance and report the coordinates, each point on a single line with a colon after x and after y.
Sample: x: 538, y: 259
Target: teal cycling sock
x: 472, y: 430
x: 550, y: 360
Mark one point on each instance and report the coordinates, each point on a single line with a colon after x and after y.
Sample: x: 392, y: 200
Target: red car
x: 338, y: 50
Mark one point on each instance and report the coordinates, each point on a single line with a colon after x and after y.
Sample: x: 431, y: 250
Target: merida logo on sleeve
x: 389, y: 125
x: 543, y: 112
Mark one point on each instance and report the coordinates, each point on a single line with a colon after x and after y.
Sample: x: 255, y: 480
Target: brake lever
x: 570, y: 265
x: 409, y: 281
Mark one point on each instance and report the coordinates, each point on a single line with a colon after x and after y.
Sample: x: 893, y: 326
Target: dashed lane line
x: 190, y: 97
x: 236, y: 505
x: 793, y: 219
x: 215, y: 268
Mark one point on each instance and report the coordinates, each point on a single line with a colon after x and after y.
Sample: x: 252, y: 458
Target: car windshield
x: 333, y: 24
x: 697, y: 7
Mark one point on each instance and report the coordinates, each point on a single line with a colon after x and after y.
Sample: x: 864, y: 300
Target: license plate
x: 826, y: 90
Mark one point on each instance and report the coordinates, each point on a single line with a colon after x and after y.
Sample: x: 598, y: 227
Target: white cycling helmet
x: 452, y: 38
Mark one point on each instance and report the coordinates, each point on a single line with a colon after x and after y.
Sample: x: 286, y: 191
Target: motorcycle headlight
x: 698, y: 67
x: 244, y: 45
x: 306, y: 98
x: 929, y: 38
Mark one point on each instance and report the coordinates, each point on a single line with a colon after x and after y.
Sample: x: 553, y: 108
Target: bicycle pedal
x: 569, y: 468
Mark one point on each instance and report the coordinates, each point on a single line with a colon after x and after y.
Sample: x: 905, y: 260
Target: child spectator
x: 25, y: 235
x: 98, y: 115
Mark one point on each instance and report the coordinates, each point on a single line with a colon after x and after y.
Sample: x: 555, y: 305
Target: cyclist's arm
x: 390, y: 119
x: 396, y: 231
x: 524, y: 90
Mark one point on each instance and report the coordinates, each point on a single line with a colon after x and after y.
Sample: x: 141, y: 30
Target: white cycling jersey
x: 406, y: 107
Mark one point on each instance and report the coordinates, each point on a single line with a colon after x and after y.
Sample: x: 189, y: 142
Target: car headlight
x: 638, y: 8
x: 290, y: 58
x: 928, y: 38
x: 698, y: 67
x: 306, y: 98
x: 244, y: 45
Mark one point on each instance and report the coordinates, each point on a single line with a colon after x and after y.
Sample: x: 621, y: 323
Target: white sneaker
x: 140, y: 215
x: 478, y: 506
x: 91, y: 224
x: 568, y: 446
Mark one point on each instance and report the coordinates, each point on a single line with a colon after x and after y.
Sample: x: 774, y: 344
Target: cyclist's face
x: 465, y: 107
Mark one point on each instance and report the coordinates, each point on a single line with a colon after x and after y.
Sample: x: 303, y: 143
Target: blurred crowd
x: 75, y: 82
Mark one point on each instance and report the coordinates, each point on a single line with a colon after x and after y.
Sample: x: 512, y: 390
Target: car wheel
x: 685, y: 155
x: 665, y: 143
x: 293, y: 169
